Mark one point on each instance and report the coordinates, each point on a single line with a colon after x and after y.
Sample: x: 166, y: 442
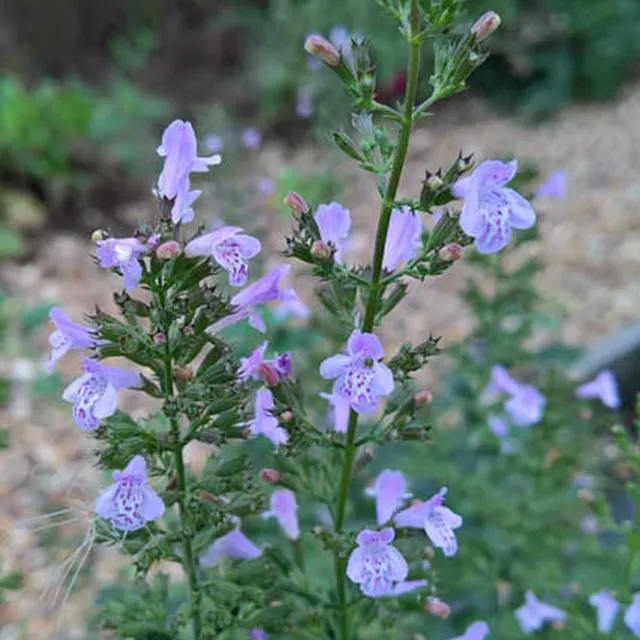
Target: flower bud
x: 434, y: 182
x: 450, y: 252
x: 435, y: 607
x: 271, y: 476
x: 286, y: 416
x: 485, y: 25
x: 320, y: 47
x: 168, y: 250
x: 188, y: 330
x: 98, y: 235
x: 320, y: 250
x: 586, y: 496
x: 159, y: 338
x: 551, y: 456
x: 172, y: 483
x: 269, y: 374
x: 429, y: 551
x: 183, y: 374
x: 422, y: 398
x: 296, y: 202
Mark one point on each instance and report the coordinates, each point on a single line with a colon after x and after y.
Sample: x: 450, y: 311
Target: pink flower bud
x: 159, y: 338
x: 586, y: 496
x: 296, y: 202
x: 450, y: 252
x: 286, y: 417
x: 272, y: 476
x: 320, y: 250
x: 168, y: 250
x: 435, y: 607
x: 318, y: 46
x: 422, y: 398
x: 485, y: 25
x: 269, y: 374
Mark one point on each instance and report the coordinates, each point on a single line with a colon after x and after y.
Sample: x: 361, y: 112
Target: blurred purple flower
x: 251, y: 138
x: 390, y: 492
x: 499, y: 427
x: 491, y: 209
x: 129, y: 503
x: 606, y: 609
x: 341, y: 39
x: 214, y: 143
x: 304, y: 104
x: 94, y: 394
x: 401, y: 588
x: 230, y: 248
x: 632, y: 615
x: 589, y: 524
x: 340, y: 408
x: 437, y: 521
x: 526, y: 406
x: 404, y: 238
x: 265, y: 185
x: 285, y: 509
x: 291, y: 304
x: 334, y: 224
x: 375, y: 565
x: 361, y: 378
x: 124, y: 254
x: 233, y: 545
x: 257, y: 367
x: 604, y: 388
x: 501, y: 382
x: 264, y: 423
x: 258, y: 634
x: 67, y: 335
x: 533, y: 614
x: 477, y: 631
x: 554, y: 187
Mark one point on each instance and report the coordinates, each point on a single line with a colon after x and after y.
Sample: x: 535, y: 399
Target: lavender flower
x: 334, y: 224
x: 233, y: 545
x: 375, y: 565
x: 604, y: 388
x: 266, y: 289
x: 94, y: 394
x: 606, y: 608
x: 230, y: 248
x: 533, y: 614
x: 632, y: 615
x: 284, y: 508
x: 251, y: 138
x: 265, y: 185
x: 500, y: 429
x: 291, y: 304
x: 258, y: 634
x: 214, y: 143
x: 124, y: 254
x: 264, y: 422
x: 129, y: 503
x: 271, y: 371
x: 390, y: 491
x: 477, y: 631
x: 402, y: 588
x: 554, y: 187
x: 361, y: 378
x: 526, y: 406
x: 340, y: 409
x: 437, y: 521
x: 304, y: 104
x: 68, y: 335
x: 490, y: 209
x: 501, y: 382
x: 404, y: 238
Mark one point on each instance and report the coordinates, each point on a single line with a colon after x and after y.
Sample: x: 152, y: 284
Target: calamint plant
x: 274, y: 453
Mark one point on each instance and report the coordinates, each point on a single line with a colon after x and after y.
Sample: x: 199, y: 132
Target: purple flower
x: 341, y: 39
x: 258, y: 634
x: 604, y: 388
x: 526, y: 406
x: 554, y: 187
x: 501, y: 382
x: 361, y: 378
x: 291, y: 304
x: 589, y: 524
x: 68, y: 335
x: 284, y: 508
x: 124, y: 254
x: 390, y: 491
x: 232, y: 545
x: 490, y: 209
x: 129, y: 503
x: 304, y: 104
x: 179, y: 148
x: 334, y: 224
x: 533, y: 614
x: 375, y: 565
x: 265, y: 185
x: 264, y: 422
x: 477, y: 631
x: 404, y: 238
x: 606, y: 608
x: 340, y: 408
x: 251, y: 138
x: 500, y: 429
x: 271, y: 371
x: 632, y: 615
x: 214, y: 143
x: 437, y: 521
x: 94, y: 394
x: 266, y: 289
x: 401, y: 588
x: 230, y: 248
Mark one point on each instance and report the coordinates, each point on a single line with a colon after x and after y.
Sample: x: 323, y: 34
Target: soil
x: 590, y: 249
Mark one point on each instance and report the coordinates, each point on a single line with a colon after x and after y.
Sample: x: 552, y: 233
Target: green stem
x: 190, y: 566
x: 373, y: 299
